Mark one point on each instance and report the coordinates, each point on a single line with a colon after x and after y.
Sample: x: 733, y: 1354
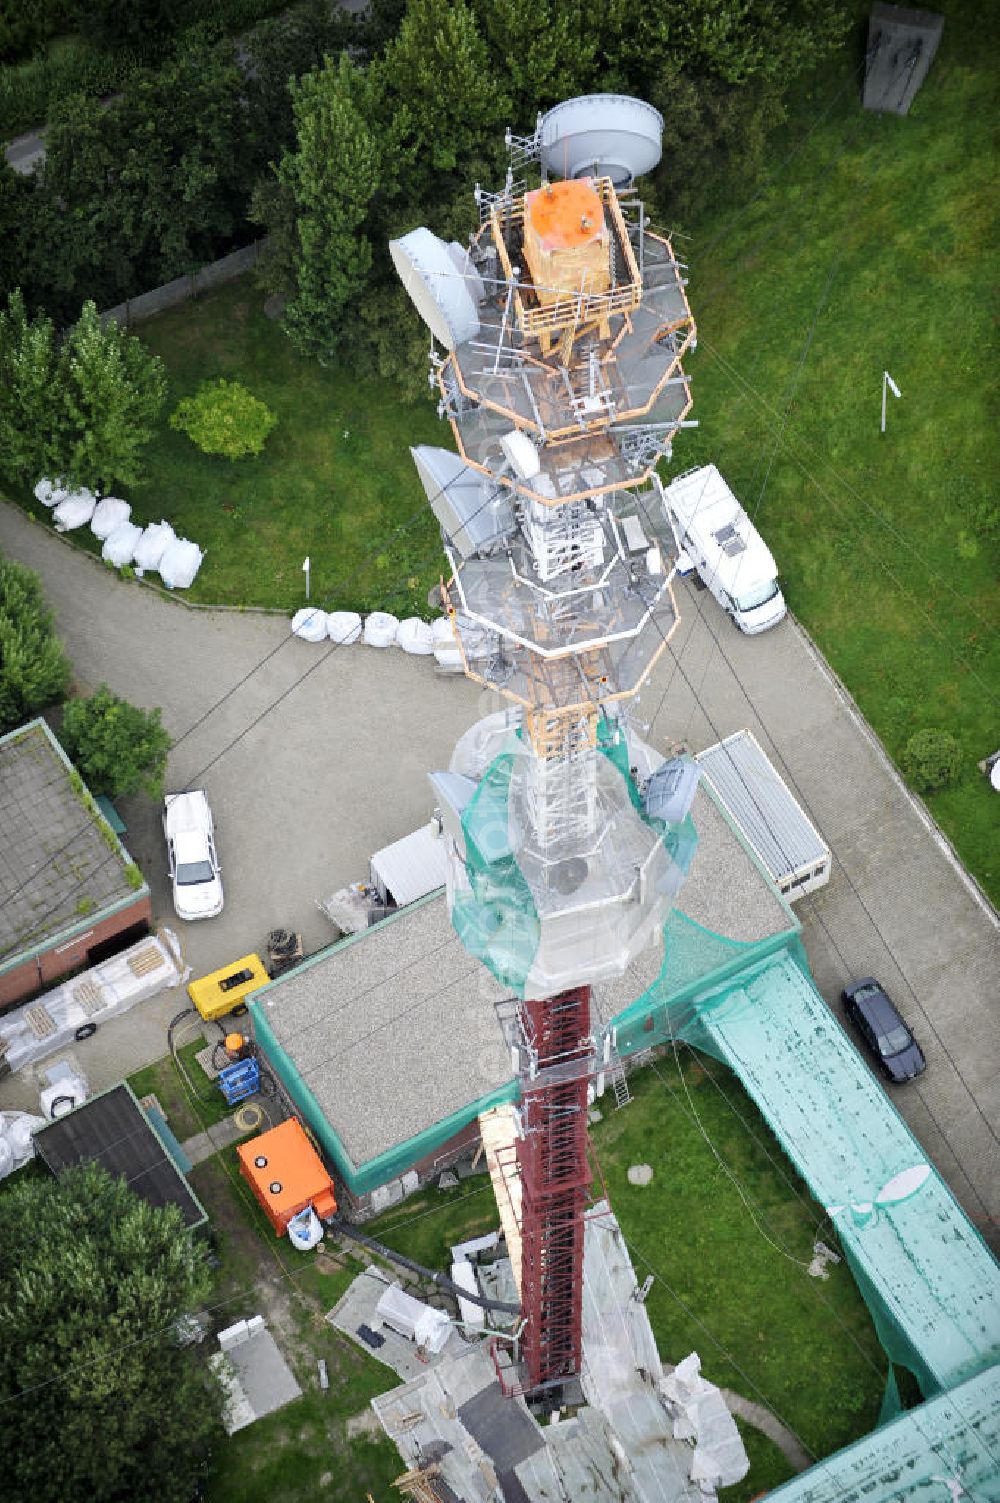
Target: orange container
x: 286, y: 1174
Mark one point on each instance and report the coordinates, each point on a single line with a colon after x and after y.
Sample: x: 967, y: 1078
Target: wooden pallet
x: 146, y: 961
x: 90, y: 996
x: 40, y: 1021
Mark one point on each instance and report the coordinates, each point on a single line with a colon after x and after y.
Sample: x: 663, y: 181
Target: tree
x: 34, y: 669
x: 98, y: 1398
x: 183, y: 170
x: 73, y: 242
x: 111, y: 390
x: 332, y: 176
x: 118, y: 748
x: 30, y: 420
x: 450, y: 99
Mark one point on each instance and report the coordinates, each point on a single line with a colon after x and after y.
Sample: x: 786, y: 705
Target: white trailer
x: 727, y: 551
x: 767, y: 815
x: 73, y: 1011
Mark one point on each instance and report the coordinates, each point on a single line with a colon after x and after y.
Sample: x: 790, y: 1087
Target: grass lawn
x: 333, y: 484
x: 163, y: 1080
x: 727, y: 1283
x: 874, y: 249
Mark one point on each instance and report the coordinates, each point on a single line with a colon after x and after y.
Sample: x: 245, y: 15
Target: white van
x: 726, y: 549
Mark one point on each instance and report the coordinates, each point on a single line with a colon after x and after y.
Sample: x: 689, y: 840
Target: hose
x: 441, y: 1280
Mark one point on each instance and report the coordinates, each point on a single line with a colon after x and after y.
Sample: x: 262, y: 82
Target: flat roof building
x: 70, y: 895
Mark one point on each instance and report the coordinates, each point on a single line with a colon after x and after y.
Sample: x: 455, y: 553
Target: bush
x: 224, y: 418
x: 931, y: 760
x: 117, y: 747
x: 28, y: 90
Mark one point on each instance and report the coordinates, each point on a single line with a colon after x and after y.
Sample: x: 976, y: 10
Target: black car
x: 874, y: 1014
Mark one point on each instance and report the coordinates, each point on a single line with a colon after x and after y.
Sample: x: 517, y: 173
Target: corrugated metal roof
x: 761, y: 805
x: 412, y: 867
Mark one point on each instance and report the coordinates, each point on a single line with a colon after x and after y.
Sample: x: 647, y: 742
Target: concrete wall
x: 134, y: 309
x: 48, y: 966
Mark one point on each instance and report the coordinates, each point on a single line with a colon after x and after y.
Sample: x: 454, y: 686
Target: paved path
x: 25, y: 152
x: 898, y: 905
x: 306, y: 793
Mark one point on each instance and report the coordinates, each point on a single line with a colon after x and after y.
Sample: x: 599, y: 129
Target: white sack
x: 310, y: 624
x: 153, y: 544
x: 443, y: 632
x: 50, y: 492
x: 119, y: 548
x: 75, y: 511
x: 109, y: 515
x: 343, y: 627
x: 380, y: 629
x: 180, y: 563
x: 415, y: 637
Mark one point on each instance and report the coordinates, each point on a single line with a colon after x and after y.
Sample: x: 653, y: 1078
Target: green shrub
x: 117, y: 747
x: 224, y: 418
x: 931, y: 760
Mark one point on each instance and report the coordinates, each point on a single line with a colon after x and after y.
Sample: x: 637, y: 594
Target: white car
x: 194, y: 866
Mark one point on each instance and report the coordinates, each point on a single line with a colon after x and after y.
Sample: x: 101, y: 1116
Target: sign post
x: 305, y: 566
x: 887, y: 382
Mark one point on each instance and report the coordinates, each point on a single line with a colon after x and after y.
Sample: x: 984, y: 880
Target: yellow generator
x: 225, y: 990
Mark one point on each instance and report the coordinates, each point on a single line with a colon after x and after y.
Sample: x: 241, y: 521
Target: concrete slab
x: 263, y: 1374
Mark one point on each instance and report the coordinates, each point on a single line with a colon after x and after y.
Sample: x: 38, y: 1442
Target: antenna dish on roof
x: 603, y: 135
x: 443, y: 284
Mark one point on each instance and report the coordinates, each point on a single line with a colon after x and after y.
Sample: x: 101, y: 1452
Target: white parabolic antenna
x: 606, y: 135
x: 442, y: 283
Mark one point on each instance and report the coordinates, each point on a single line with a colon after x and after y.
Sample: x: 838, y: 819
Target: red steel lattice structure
x: 555, y: 1176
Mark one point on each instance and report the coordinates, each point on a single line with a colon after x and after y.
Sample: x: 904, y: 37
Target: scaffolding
x: 566, y: 322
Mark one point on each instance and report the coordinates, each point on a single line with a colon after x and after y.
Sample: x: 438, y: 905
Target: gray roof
x: 60, y: 866
x: 395, y: 1029
x: 392, y: 1030
x: 112, y: 1130
x: 761, y: 805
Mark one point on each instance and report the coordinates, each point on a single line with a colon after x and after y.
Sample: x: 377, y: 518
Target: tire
x: 55, y: 1103
x: 85, y: 1031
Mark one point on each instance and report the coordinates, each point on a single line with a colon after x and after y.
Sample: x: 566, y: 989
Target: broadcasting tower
x: 563, y: 325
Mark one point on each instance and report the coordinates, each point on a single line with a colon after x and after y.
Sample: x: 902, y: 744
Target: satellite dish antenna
x: 601, y: 135
x: 442, y: 283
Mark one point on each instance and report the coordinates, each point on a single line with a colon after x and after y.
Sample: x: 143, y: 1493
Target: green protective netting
x: 946, y: 1448
x: 495, y: 914
x: 495, y: 919
x: 930, y: 1283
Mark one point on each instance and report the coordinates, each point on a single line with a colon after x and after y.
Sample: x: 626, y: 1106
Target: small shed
x: 286, y: 1174
x: 113, y: 1130
x: 410, y: 868
x: 767, y: 815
